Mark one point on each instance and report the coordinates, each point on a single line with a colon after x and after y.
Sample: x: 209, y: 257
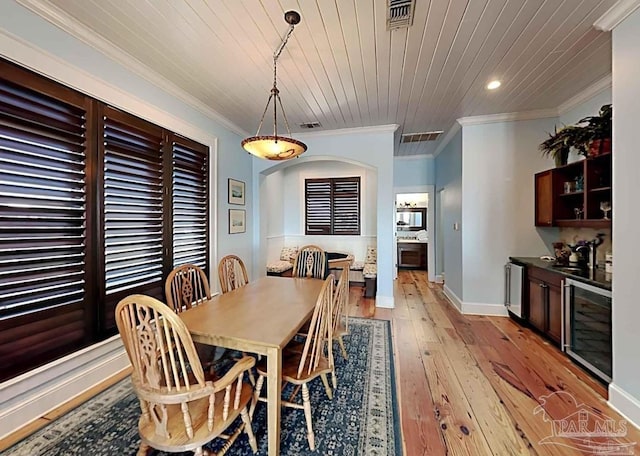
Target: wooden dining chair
x: 186, y: 286
x: 181, y: 409
x: 301, y: 363
x: 310, y: 262
x: 340, y: 318
x: 232, y: 273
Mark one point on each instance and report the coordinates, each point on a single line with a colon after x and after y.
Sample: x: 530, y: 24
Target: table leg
x: 274, y: 386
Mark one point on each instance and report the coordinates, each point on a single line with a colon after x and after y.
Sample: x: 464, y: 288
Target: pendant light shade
x: 276, y: 147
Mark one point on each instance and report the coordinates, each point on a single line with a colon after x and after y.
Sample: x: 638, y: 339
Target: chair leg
x: 144, y: 449
x: 249, y: 431
x: 256, y: 395
x: 344, y: 351
x: 327, y: 388
x: 334, y: 379
x: 307, y: 414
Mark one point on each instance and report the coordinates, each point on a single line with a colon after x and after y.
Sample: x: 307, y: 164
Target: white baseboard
x: 474, y: 308
x: 386, y: 302
x: 478, y: 308
x: 625, y: 404
x: 439, y: 278
x: 31, y: 395
x: 453, y: 298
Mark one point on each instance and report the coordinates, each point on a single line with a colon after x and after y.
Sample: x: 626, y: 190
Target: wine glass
x: 605, y: 207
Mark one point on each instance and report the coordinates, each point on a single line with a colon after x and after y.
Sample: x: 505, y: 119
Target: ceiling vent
x: 310, y: 125
x: 400, y: 14
x: 420, y: 137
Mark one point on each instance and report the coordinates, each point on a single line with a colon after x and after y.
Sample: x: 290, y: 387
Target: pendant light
x: 275, y: 147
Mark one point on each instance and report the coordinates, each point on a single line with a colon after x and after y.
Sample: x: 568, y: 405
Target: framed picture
x: 237, y: 221
x: 236, y: 192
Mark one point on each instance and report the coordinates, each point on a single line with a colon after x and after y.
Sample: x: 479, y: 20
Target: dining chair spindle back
x: 310, y: 262
x: 303, y: 362
x: 181, y: 409
x: 232, y: 273
x: 186, y: 286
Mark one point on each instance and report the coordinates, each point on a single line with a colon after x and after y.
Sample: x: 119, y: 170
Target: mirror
x: 411, y: 219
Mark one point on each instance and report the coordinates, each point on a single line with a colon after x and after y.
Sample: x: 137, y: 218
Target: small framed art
x: 237, y: 221
x: 236, y: 192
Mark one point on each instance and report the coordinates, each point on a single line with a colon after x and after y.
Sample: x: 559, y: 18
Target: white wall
x: 294, y: 177
x: 284, y: 214
x: 498, y: 164
x: 624, y: 392
x: 372, y: 147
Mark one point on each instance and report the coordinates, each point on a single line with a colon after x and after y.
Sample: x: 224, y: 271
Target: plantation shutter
x: 318, y: 206
x: 332, y: 206
x: 346, y: 206
x: 43, y: 215
x: 133, y: 222
x: 190, y: 203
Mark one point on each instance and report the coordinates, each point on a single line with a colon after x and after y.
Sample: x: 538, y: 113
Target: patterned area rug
x: 362, y: 418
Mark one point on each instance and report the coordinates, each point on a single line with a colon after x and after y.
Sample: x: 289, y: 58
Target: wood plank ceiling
x: 343, y: 68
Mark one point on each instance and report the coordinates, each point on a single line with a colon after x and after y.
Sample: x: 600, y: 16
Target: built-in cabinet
x: 544, y: 304
x: 572, y: 195
x: 412, y: 255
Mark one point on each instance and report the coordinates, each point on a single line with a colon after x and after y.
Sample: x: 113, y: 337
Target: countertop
x: 597, y: 278
x: 411, y: 241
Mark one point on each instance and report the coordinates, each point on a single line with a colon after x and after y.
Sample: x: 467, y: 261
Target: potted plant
x: 599, y: 130
x: 561, y: 141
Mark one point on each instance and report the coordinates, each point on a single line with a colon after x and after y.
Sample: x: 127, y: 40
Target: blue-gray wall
x: 413, y: 172
x: 448, y: 181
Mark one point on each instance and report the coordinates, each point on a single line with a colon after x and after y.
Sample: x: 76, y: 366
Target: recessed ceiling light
x: 493, y: 85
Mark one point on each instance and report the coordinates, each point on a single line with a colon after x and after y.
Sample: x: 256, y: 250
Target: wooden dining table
x: 261, y: 317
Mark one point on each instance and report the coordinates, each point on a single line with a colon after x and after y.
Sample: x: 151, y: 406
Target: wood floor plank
x: 421, y: 431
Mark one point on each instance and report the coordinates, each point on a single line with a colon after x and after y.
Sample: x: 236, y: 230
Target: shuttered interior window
x: 318, y: 206
x: 42, y: 222
x: 95, y: 204
x: 190, y: 202
x: 133, y: 222
x: 346, y: 205
x: 332, y: 206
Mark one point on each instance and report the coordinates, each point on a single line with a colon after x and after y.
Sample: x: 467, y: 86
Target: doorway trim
x: 432, y: 243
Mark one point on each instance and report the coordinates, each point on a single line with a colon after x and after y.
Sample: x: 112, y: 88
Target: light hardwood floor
x: 469, y: 385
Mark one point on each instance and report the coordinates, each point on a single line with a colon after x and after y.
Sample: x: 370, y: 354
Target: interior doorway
x: 413, y: 221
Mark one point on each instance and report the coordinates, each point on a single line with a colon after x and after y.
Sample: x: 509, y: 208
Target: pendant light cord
x: 275, y: 93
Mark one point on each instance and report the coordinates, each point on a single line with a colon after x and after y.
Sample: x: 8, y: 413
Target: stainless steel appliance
x: 514, y: 279
x: 587, y: 326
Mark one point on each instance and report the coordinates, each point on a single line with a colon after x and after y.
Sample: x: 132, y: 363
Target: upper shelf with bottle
x: 577, y: 194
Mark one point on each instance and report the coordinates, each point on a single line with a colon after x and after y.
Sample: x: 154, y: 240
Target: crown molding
x: 446, y: 139
x: 414, y: 157
x: 616, y: 14
x: 587, y: 93
x: 74, y: 28
x: 508, y: 117
x: 28, y: 55
x: 391, y: 128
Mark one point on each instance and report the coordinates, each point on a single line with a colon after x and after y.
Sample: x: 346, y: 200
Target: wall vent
x: 400, y: 13
x: 420, y: 137
x: 310, y: 125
